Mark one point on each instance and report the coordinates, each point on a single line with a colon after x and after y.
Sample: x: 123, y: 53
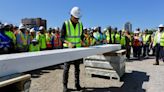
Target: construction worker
x: 49, y: 39
x: 115, y: 37
x: 56, y: 39
x: 34, y: 45
x: 72, y: 37
x: 5, y: 41
x: 109, y: 35
x: 122, y: 39
x: 159, y: 43
x: 11, y: 35
x: 21, y: 39
x: 146, y: 42
x: 137, y: 43
x: 41, y: 38
x: 92, y: 40
x: 96, y: 35
x: 86, y: 37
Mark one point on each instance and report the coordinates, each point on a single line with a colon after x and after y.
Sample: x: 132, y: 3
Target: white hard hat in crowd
x: 85, y: 28
x: 161, y: 25
x: 6, y: 24
x: 32, y: 30
x: 28, y: 29
x: 76, y: 12
x: 41, y: 28
x: 105, y: 29
x: 136, y: 32
x: 95, y: 28
x: 56, y: 28
x: 21, y: 26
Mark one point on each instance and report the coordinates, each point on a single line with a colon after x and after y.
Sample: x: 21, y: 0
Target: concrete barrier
x: 110, y: 64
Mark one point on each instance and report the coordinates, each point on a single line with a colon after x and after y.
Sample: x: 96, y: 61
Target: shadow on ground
x: 132, y: 82
x: 37, y: 73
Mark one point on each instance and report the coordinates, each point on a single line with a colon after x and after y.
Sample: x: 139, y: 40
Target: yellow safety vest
x: 73, y: 35
x: 161, y: 39
x: 145, y: 38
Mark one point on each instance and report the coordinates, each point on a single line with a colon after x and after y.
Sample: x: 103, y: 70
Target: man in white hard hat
x: 41, y: 38
x: 21, y: 39
x: 72, y: 37
x: 137, y: 43
x: 159, y: 43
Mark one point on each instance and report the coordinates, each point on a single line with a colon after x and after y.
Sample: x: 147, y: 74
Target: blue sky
x: 141, y: 13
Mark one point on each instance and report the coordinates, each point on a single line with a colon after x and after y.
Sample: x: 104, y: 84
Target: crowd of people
x: 15, y: 39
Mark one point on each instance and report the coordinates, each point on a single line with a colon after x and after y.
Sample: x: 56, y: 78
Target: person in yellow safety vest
x: 159, y: 43
x: 41, y: 38
x: 49, y: 39
x: 146, y: 42
x: 72, y: 37
x: 21, y: 39
x: 115, y: 37
x: 92, y: 40
x: 96, y: 35
x: 10, y: 34
x: 86, y: 37
x: 109, y: 35
x: 34, y: 45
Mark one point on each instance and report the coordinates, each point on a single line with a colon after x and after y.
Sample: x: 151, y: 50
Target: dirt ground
x: 140, y: 76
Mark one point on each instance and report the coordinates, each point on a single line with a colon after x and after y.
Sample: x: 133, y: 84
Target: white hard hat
x: 105, y: 29
x: 76, y: 12
x: 136, y: 32
x: 56, y: 28
x: 161, y: 25
x: 28, y: 29
x: 6, y: 24
x: 85, y: 28
x: 32, y: 30
x: 21, y: 26
x: 41, y: 28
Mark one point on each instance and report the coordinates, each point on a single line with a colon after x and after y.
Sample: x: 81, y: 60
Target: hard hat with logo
x: 75, y: 12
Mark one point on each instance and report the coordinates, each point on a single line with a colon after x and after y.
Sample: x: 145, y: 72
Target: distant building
x: 128, y: 26
x: 34, y: 22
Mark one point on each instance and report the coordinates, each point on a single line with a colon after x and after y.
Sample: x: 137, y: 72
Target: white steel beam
x: 23, y: 62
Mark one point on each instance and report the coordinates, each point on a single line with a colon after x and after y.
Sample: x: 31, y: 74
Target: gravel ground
x: 141, y: 76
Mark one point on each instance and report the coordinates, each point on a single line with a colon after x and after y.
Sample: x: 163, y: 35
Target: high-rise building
x: 128, y: 26
x: 34, y: 22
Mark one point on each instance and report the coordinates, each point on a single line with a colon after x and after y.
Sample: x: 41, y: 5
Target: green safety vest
x: 161, y: 39
x: 122, y: 41
x: 145, y: 38
x: 42, y: 40
x: 117, y: 38
x: 33, y: 48
x: 73, y: 35
x: 108, y: 37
